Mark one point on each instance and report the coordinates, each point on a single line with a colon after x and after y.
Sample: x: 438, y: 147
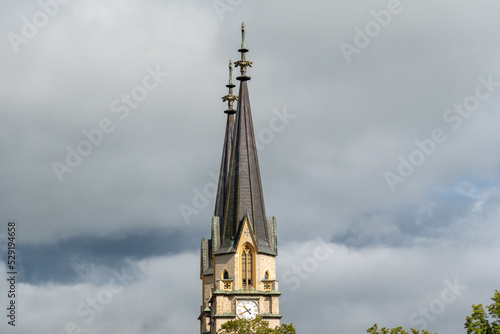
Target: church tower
x: 238, y: 263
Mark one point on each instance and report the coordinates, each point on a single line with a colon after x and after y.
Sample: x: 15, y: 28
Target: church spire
x: 238, y: 263
x: 244, y: 196
x: 226, y: 151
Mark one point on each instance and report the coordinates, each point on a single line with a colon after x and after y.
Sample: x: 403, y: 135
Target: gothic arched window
x: 246, y: 266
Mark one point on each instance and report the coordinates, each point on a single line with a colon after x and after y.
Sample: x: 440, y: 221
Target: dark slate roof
x: 220, y: 201
x: 244, y: 188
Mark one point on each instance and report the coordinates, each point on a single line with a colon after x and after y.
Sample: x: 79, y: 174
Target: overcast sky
x: 377, y: 124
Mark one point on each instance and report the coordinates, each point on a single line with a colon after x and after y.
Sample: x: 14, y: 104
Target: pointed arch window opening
x: 227, y: 282
x: 247, y: 259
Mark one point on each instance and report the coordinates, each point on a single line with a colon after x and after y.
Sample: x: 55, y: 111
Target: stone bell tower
x: 238, y: 263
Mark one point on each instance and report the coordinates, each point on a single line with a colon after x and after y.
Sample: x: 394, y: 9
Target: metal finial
x: 243, y: 63
x: 243, y: 35
x: 230, y: 72
x: 230, y: 98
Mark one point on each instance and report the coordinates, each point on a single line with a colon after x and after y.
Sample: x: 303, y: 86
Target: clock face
x: 247, y: 309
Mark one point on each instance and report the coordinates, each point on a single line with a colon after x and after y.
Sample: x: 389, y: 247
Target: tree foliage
x: 478, y: 322
x: 398, y: 330
x: 255, y: 326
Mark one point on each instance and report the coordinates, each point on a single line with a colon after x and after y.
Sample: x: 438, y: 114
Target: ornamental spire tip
x: 243, y: 35
x: 243, y: 63
x: 230, y: 97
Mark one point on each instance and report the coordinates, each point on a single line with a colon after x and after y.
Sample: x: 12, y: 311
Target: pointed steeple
x: 244, y: 189
x: 226, y: 151
x: 238, y: 262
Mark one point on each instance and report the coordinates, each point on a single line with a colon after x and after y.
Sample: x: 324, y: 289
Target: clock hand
x: 245, y: 312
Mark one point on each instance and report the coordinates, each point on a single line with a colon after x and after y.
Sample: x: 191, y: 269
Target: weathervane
x: 243, y: 63
x: 230, y: 98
